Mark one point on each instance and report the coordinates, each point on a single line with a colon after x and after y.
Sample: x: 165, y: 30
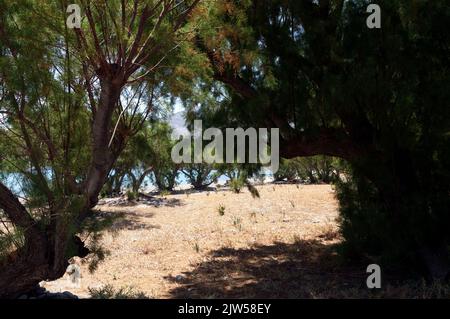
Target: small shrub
x: 297, y: 239
x: 164, y: 193
x: 237, y: 222
x: 253, y: 190
x: 236, y: 185
x: 196, y: 247
x: 131, y: 195
x: 109, y: 292
x: 221, y: 210
x: 329, y: 233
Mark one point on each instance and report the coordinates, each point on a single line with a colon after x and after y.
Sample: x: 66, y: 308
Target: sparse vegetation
x: 86, y: 122
x: 131, y: 195
x: 307, y: 246
x: 196, y: 247
x: 236, y: 185
x: 221, y: 210
x: 109, y: 292
x: 164, y: 193
x: 237, y: 223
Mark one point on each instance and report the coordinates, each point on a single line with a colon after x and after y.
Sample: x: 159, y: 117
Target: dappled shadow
x: 171, y: 202
x: 133, y: 224
x: 126, y: 220
x: 189, y: 191
x: 143, y: 199
x: 305, y: 269
x: 161, y: 202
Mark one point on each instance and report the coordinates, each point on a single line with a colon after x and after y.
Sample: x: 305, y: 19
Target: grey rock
x: 69, y: 295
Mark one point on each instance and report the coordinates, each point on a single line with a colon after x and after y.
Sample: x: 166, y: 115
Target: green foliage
x: 307, y: 67
x: 289, y: 170
x: 131, y: 195
x: 201, y: 175
x: 239, y: 175
x: 365, y: 223
x: 11, y: 239
x: 237, y: 222
x: 164, y: 192
x: 221, y: 210
x: 93, y: 231
x: 381, y: 94
x: 372, y: 231
x: 312, y: 170
x: 97, y: 254
x: 196, y: 247
x: 147, y: 155
x: 109, y: 292
x: 164, y: 170
x: 236, y: 185
x: 252, y: 189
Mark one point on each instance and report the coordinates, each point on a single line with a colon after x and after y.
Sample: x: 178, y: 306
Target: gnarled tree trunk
x: 44, y: 254
x: 39, y: 258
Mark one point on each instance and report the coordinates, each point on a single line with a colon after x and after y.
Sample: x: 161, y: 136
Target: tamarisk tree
x: 69, y: 101
x: 375, y: 97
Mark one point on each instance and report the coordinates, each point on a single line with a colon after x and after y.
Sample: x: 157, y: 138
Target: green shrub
x: 164, y: 193
x: 131, y: 195
x: 109, y: 292
x: 236, y: 185
x: 237, y: 222
x: 221, y: 210
x: 391, y: 229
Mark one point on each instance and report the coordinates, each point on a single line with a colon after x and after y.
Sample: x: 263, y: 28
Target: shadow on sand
x: 305, y: 269
x: 124, y: 220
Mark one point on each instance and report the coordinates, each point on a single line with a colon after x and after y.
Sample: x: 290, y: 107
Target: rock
x: 58, y: 295
x: 179, y: 278
x: 69, y: 295
x: 39, y: 291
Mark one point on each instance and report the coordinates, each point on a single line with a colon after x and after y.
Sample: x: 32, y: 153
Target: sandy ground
x: 184, y: 247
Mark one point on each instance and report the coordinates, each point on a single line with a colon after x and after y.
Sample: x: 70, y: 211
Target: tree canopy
x: 78, y: 105
x: 377, y: 98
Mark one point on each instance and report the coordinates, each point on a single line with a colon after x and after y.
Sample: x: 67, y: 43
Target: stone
x: 69, y: 295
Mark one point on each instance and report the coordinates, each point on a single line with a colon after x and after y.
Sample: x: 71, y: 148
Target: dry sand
x: 183, y: 247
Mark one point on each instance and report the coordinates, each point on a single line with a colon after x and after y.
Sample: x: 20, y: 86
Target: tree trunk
x: 23, y: 270
x: 44, y: 254
x: 103, y: 156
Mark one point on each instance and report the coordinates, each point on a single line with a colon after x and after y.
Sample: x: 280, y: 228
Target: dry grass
x: 280, y: 245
